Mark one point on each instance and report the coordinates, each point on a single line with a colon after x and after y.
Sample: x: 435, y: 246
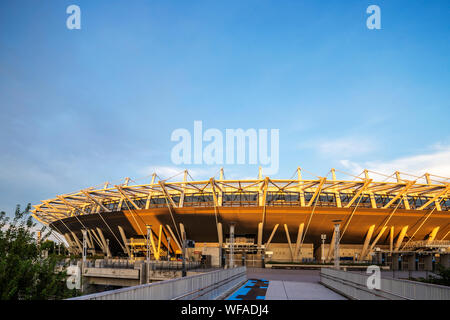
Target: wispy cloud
x: 436, y: 162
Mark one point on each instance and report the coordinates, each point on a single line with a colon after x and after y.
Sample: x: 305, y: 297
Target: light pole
x: 183, y: 272
x: 149, y: 233
x: 83, y: 261
x: 168, y: 248
x: 84, y: 246
x: 231, y: 244
x: 336, y: 243
x: 323, y: 237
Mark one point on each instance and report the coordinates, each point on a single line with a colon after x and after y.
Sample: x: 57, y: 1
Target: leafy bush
x: 444, y: 276
x: 24, y: 273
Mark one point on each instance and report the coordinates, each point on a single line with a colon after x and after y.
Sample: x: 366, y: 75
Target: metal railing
x: 205, y: 286
x: 427, y: 244
x: 354, y: 286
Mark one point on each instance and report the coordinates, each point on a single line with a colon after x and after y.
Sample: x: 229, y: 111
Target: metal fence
x: 205, y: 286
x: 354, y: 286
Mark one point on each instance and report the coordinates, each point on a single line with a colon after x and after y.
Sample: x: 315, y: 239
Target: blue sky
x: 81, y: 107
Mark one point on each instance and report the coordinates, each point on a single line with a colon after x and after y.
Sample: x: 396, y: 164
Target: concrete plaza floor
x: 293, y: 284
x: 291, y: 290
x: 304, y: 275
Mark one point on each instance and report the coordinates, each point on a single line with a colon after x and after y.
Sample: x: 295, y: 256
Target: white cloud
x: 436, y: 162
x: 343, y: 146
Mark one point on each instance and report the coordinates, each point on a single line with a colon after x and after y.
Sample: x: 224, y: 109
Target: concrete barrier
x: 111, y: 273
x: 205, y: 286
x: 354, y: 286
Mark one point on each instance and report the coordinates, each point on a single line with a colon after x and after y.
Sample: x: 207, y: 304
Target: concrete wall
x: 213, y: 252
x: 282, y: 252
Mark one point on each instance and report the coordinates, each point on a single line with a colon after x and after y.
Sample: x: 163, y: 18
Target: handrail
x: 362, y: 288
x: 214, y: 284
x: 347, y: 282
x: 139, y: 290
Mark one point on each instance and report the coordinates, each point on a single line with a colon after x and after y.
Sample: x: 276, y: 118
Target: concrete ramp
x: 291, y: 290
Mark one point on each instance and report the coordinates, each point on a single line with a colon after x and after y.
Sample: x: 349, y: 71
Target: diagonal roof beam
x: 316, y: 193
x: 119, y: 188
x: 360, y: 191
x: 404, y: 190
x: 166, y: 193
x: 71, y: 205
x: 95, y: 201
x: 440, y: 194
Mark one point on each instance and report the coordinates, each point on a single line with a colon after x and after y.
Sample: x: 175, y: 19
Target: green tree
x: 444, y: 276
x: 24, y: 273
x: 48, y: 245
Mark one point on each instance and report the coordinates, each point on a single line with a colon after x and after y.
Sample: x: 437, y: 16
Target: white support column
x: 366, y: 242
x: 259, y: 241
x: 374, y: 243
x: 183, y: 236
x: 152, y: 242
x: 220, y: 234
x: 433, y: 235
x: 331, y: 248
x: 182, y: 230
x: 72, y: 244
x: 401, y: 236
x: 77, y: 241
x: 173, y: 237
x: 125, y: 242
x: 298, y: 249
x: 271, y: 236
x: 99, y: 241
x: 289, y: 241
x: 90, y: 241
x: 105, y: 244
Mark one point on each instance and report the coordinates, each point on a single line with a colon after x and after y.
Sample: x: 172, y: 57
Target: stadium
x: 265, y: 219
